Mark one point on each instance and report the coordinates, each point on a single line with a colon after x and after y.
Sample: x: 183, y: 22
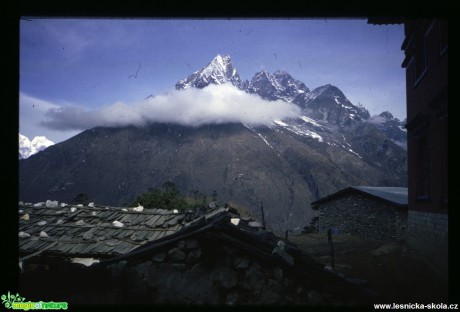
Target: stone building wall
x: 188, y: 272
x: 428, y: 233
x: 360, y: 215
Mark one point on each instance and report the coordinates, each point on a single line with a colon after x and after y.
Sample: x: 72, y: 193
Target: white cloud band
x: 215, y: 104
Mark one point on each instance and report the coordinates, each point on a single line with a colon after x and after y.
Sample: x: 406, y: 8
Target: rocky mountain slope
x: 282, y: 166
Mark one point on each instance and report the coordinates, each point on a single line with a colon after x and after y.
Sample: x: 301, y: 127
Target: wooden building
x: 426, y: 63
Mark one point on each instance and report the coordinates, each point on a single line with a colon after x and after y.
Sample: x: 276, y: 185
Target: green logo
x: 17, y: 302
x: 8, y: 300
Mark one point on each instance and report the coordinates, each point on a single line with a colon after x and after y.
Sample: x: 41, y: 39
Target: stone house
x: 108, y: 255
x: 371, y: 212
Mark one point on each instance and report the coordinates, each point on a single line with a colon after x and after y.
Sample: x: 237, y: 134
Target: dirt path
x: 389, y: 268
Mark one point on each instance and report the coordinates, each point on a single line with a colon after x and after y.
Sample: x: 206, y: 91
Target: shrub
x: 166, y: 198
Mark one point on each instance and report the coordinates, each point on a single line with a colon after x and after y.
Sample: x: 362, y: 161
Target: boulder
x: 51, y: 204
x: 232, y: 298
x: 253, y: 278
x: 176, y: 255
x: 278, y: 274
x: 241, y: 263
x: 226, y: 278
x: 180, y: 244
x: 159, y: 257
x: 271, y: 294
x: 194, y: 255
x: 280, y: 252
x: 191, y: 244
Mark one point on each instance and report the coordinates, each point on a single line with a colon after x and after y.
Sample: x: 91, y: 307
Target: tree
x: 81, y: 198
x: 166, y: 198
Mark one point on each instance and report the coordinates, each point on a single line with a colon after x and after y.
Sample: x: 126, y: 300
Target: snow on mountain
x: 219, y: 70
x: 277, y: 86
x: 329, y: 104
x: 392, y: 127
x: 324, y: 110
x: 330, y: 144
x: 28, y: 148
x: 24, y: 147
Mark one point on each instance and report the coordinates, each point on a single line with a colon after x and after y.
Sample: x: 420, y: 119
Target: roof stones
x: 24, y: 217
x: 204, y: 260
x: 279, y: 250
x: 117, y: 224
x: 51, y: 204
x: 43, y: 234
x: 23, y: 234
x: 96, y: 231
x: 138, y: 208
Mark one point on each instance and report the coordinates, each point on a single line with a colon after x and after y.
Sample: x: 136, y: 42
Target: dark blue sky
x: 87, y: 63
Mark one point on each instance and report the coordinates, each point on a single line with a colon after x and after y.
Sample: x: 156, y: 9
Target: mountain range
x: 282, y: 166
x: 28, y: 148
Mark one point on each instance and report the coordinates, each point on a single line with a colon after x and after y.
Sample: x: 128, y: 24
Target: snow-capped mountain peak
x: 325, y: 104
x: 279, y: 85
x: 41, y: 142
x: 28, y: 148
x: 329, y: 104
x: 387, y: 115
x: 219, y: 70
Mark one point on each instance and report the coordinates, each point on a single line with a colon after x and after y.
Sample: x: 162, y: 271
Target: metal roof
x: 397, y: 195
x: 394, y: 195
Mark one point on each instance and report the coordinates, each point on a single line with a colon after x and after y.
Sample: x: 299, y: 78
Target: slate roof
x: 90, y: 231
x: 146, y: 232
x: 104, y: 232
x: 396, y: 196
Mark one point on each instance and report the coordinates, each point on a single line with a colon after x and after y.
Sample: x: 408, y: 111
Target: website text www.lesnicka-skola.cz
x: 415, y: 306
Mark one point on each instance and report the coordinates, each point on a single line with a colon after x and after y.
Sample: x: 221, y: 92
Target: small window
x: 422, y: 168
x: 443, y: 37
x: 445, y: 165
x: 419, y: 56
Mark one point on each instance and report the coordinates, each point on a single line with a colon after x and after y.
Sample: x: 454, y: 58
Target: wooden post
x: 286, y: 235
x: 329, y: 239
x: 263, y: 216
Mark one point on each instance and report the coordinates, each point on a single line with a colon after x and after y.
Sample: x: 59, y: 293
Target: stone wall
x: 193, y: 271
x: 200, y: 272
x: 360, y: 215
x: 428, y: 233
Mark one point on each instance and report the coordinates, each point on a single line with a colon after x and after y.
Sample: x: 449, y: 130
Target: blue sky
x: 87, y: 63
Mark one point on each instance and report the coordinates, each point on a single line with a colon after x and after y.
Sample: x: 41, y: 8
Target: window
x: 422, y: 167
x: 439, y: 105
x: 443, y: 37
x: 418, y: 128
x: 445, y: 167
x: 419, y: 55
